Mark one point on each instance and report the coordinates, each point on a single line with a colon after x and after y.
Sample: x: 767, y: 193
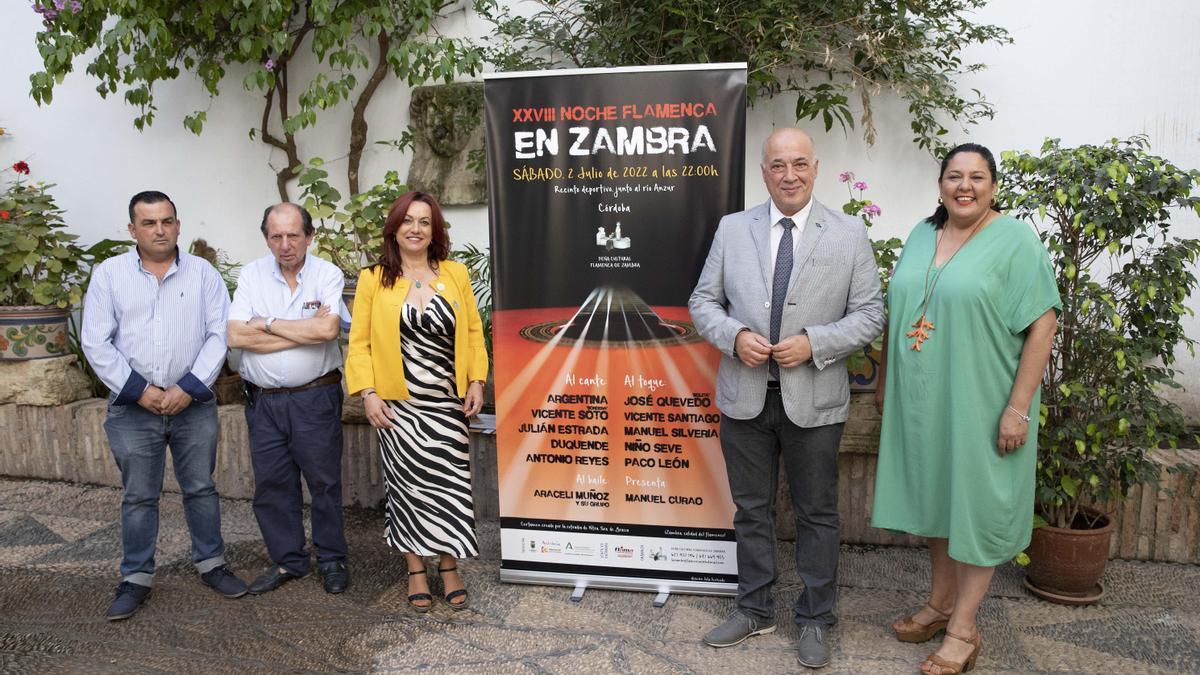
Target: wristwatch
x: 267, y: 324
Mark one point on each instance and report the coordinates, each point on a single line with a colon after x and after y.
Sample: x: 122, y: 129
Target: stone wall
x: 68, y: 443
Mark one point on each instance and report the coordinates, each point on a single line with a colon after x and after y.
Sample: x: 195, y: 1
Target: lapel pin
x: 441, y: 286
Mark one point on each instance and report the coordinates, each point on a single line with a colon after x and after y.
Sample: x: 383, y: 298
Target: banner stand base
x: 662, y: 588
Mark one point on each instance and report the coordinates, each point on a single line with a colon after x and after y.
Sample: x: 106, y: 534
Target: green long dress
x: 939, y: 472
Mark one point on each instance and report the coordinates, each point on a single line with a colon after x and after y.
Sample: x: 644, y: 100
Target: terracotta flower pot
x: 1066, y: 564
x: 228, y: 389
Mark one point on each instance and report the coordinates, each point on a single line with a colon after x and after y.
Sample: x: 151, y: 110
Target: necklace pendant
x: 920, y: 332
x: 417, y: 283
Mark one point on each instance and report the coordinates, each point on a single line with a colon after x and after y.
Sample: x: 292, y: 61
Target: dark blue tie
x: 783, y: 273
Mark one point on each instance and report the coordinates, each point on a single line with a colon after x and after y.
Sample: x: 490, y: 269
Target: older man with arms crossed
x: 284, y: 318
x: 153, y: 330
x: 788, y: 291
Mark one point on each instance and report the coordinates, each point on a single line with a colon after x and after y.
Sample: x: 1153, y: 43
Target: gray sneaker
x: 736, y: 628
x: 813, y: 651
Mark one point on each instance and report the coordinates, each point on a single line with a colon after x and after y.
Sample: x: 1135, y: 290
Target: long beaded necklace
x: 922, y: 327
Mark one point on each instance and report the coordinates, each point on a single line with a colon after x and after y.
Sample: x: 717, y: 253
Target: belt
x: 331, y: 377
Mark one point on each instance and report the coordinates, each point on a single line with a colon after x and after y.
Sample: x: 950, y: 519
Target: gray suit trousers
x: 752, y: 450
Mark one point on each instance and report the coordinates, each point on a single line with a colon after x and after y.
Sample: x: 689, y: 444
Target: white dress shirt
x: 139, y: 331
x: 800, y: 218
x: 262, y: 291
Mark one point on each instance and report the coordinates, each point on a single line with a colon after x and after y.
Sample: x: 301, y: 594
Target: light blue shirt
x: 262, y: 291
x: 138, y: 331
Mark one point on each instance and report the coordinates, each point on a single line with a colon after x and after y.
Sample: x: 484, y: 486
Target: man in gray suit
x: 789, y: 290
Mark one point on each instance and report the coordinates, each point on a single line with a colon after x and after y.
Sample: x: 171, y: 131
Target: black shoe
x: 273, y: 577
x: 334, y: 576
x: 130, y: 596
x: 221, y: 580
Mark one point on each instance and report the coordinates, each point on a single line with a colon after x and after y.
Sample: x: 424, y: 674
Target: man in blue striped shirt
x: 154, y: 332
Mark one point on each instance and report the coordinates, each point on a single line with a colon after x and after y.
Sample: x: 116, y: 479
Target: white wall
x: 1082, y: 70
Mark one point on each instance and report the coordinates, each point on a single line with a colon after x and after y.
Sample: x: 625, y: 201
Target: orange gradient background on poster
x: 527, y: 372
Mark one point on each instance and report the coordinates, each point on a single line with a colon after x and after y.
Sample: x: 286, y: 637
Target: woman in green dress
x: 971, y: 315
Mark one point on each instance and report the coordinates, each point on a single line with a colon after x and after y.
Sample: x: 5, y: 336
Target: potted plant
x: 41, y: 270
x: 864, y: 365
x: 479, y: 267
x: 1105, y: 214
x: 228, y: 385
x: 348, y: 235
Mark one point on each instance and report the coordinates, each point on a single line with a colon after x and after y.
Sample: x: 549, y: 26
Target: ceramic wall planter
x: 33, y: 332
x: 864, y: 369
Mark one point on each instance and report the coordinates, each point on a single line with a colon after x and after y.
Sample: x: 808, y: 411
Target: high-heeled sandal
x: 414, y: 597
x: 460, y: 593
x: 914, y: 631
x: 949, y: 667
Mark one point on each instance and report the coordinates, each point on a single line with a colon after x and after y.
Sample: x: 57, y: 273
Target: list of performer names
x: 638, y: 449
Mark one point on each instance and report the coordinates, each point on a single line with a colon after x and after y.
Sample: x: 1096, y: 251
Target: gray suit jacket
x: 833, y: 296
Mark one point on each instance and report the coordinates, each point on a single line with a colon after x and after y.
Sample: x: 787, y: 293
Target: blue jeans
x: 139, y: 440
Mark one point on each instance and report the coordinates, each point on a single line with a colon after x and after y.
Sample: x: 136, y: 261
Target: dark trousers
x: 752, y: 450
x: 294, y: 434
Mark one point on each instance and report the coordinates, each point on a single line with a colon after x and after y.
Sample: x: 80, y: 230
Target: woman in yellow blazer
x: 418, y: 361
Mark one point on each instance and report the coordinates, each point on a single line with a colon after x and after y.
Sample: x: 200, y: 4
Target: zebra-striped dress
x: 425, y: 458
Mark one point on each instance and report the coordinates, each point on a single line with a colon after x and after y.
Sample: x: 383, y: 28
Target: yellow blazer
x: 374, y: 360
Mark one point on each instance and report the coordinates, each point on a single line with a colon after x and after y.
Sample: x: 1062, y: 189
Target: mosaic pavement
x: 59, y: 548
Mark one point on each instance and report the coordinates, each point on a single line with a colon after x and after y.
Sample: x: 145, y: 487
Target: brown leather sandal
x: 949, y: 667
x: 914, y: 631
x: 415, y: 597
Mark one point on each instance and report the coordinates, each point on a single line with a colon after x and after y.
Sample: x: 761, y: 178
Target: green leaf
x: 1070, y: 486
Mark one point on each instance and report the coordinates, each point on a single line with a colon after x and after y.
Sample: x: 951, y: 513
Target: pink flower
x: 269, y: 65
x: 872, y: 210
x: 860, y: 185
x: 4, y: 215
x: 846, y: 176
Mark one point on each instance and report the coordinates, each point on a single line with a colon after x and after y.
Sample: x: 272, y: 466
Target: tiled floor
x: 60, y: 544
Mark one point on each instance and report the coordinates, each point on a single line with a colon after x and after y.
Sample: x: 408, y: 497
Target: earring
x: 939, y: 200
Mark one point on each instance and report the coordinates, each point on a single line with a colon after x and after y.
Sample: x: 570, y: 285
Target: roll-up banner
x: 605, y: 189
